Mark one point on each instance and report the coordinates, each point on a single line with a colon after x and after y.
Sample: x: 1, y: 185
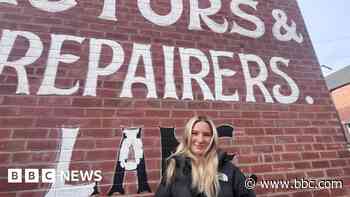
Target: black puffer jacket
x: 230, y: 177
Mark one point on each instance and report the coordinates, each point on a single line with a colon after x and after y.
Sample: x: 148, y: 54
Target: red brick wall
x: 275, y: 140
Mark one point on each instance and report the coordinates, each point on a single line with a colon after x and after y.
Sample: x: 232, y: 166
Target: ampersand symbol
x: 290, y: 31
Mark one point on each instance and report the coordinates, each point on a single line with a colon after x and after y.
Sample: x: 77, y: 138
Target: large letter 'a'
x: 131, y: 139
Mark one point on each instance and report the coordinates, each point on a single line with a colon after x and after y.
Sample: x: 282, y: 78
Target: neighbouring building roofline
x: 338, y: 79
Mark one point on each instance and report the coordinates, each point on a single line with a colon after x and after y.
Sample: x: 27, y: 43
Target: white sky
x: 328, y: 24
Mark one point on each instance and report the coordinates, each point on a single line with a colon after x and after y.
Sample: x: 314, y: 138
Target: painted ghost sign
x: 197, y: 15
x: 131, y: 139
x: 255, y: 83
x: 127, y: 73
x: 59, y: 187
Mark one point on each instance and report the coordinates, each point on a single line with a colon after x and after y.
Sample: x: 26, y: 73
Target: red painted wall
x: 274, y: 140
x: 340, y: 96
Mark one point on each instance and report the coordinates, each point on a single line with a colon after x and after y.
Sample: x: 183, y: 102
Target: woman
x: 198, y: 169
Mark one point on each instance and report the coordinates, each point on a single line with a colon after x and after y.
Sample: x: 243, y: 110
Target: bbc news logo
x: 34, y: 175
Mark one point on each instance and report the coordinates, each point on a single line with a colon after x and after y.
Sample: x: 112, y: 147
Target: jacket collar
x: 223, y: 158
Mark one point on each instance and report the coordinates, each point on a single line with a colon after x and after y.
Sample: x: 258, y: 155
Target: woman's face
x: 201, y: 137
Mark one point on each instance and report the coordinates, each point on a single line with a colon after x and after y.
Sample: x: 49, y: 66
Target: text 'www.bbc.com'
x: 294, y: 184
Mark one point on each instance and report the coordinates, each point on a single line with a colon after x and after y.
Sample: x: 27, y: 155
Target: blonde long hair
x: 204, y: 169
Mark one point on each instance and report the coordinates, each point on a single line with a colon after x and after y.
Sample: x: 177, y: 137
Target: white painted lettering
x: 131, y: 142
x: 282, y: 31
x: 59, y: 187
x: 13, y: 2
x: 109, y: 10
x: 34, y: 51
x: 144, y: 52
x: 196, y: 14
x: 220, y: 73
x: 53, y: 6
x: 293, y: 97
x: 254, y: 81
x: 260, y: 27
x: 161, y: 20
x: 55, y: 57
x: 185, y: 55
x: 94, y: 59
x: 170, y: 88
